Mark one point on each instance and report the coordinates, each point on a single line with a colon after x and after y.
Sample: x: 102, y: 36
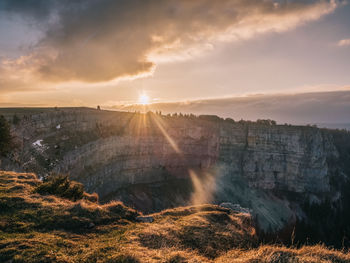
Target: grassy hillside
x: 38, y: 224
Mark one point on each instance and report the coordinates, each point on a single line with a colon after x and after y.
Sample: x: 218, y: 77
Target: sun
x: 144, y: 99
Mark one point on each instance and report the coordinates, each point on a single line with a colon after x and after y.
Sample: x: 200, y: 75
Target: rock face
x: 153, y: 162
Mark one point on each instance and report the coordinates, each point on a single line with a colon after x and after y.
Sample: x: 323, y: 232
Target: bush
x: 61, y: 186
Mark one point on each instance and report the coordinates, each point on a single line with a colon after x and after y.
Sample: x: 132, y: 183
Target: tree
x: 229, y: 120
x: 266, y: 122
x: 5, y: 137
x: 15, y: 119
x: 210, y: 118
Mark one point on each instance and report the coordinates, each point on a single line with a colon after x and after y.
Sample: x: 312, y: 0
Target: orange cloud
x: 344, y: 42
x: 94, y: 42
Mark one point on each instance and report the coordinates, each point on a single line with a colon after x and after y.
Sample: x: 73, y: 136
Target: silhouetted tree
x: 229, y: 120
x: 210, y: 118
x: 266, y: 122
x: 15, y: 119
x: 5, y: 137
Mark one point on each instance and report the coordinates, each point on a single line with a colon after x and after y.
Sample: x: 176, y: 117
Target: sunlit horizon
x: 92, y: 54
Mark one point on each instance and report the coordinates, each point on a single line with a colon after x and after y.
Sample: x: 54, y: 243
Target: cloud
x: 344, y: 42
x: 102, y: 40
x: 17, y: 75
x: 38, y: 9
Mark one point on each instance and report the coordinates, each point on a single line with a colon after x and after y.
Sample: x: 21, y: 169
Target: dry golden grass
x: 274, y: 254
x: 46, y: 228
x: 207, y: 229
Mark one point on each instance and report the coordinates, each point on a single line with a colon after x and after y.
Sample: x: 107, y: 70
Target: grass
x: 275, y: 254
x: 42, y: 227
x: 207, y: 229
x: 61, y: 186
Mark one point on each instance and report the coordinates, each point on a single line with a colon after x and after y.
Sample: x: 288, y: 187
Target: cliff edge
x: 42, y: 227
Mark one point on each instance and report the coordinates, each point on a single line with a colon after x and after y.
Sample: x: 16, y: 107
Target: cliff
x: 153, y: 162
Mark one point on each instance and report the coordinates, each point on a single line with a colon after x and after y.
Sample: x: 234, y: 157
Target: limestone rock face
x: 132, y: 157
x: 279, y: 157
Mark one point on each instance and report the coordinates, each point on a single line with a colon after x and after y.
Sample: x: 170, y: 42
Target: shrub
x: 61, y: 186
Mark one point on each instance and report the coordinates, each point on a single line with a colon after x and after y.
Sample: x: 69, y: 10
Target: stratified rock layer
x: 153, y: 162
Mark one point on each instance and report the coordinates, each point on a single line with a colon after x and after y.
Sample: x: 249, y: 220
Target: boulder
x: 145, y: 219
x: 91, y: 225
x: 236, y: 208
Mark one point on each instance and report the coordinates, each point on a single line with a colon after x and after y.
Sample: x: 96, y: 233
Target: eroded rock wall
x: 114, y: 152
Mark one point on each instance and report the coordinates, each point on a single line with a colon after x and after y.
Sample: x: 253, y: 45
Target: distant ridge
x: 327, y: 109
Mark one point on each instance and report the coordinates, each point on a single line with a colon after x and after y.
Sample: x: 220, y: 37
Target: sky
x: 113, y: 52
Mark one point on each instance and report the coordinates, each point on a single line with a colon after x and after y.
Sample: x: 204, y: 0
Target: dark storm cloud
x: 100, y: 40
x: 36, y: 9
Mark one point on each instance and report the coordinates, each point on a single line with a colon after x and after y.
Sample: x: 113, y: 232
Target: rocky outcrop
x: 236, y: 208
x: 133, y: 157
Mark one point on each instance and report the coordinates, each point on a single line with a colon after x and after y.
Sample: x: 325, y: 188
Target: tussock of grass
x: 207, y: 229
x: 27, y: 204
x: 61, y: 186
x: 185, y: 211
x: 272, y: 254
x: 176, y: 258
x: 91, y: 197
x: 123, y: 259
x: 118, y: 208
x: 49, y: 228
